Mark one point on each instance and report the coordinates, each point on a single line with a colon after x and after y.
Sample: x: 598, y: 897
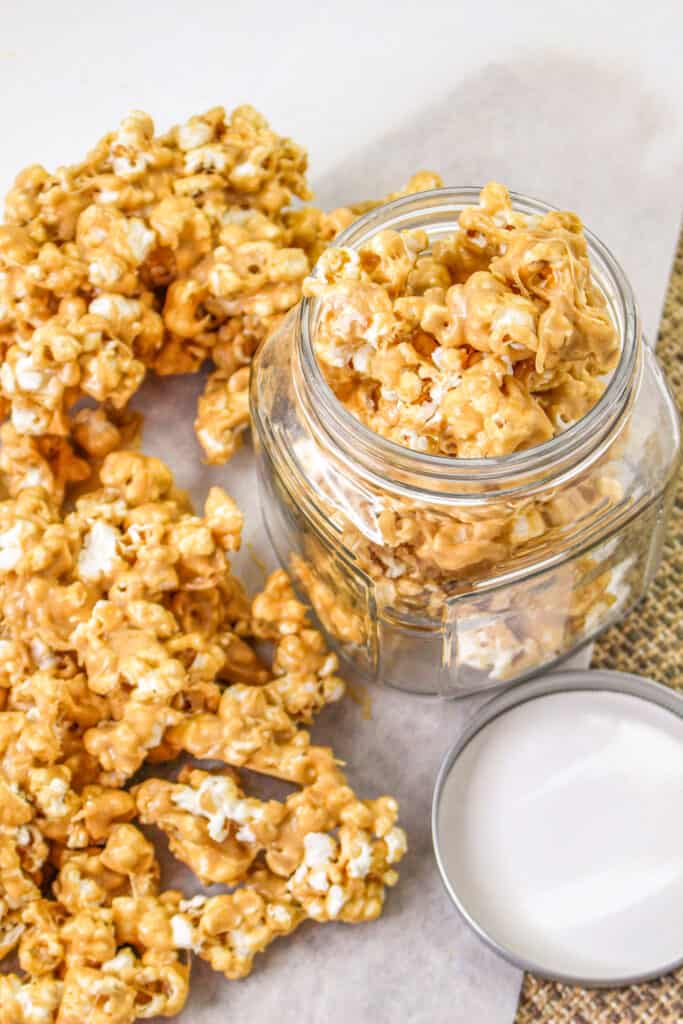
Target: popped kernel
x: 211, y: 825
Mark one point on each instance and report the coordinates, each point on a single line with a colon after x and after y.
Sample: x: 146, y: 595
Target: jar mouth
x: 439, y: 209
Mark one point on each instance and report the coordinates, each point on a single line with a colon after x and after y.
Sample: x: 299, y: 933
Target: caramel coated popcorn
x: 148, y: 254
x: 126, y: 638
x: 156, y: 252
x: 329, y: 857
x: 491, y: 340
x: 219, y: 832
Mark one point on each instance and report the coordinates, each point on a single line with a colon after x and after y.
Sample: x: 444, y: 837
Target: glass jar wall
x: 441, y: 575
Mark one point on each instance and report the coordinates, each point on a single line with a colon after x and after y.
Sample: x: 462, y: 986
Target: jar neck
x: 436, y: 477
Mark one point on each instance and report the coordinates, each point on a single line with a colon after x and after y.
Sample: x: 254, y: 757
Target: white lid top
x: 558, y: 826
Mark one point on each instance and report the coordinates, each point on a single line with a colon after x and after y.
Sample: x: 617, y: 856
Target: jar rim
x: 581, y: 437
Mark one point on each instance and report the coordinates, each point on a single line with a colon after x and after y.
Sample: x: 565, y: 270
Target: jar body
x: 446, y: 586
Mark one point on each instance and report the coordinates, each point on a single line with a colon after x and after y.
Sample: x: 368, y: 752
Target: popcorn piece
x: 252, y: 729
x: 98, y: 432
x: 87, y: 990
x: 41, y: 949
x: 227, y: 931
x: 340, y: 879
x: 327, y: 879
x: 218, y: 832
x: 223, y: 414
x: 82, y: 973
x: 30, y: 1001
x: 126, y: 865
x: 304, y: 667
x: 494, y: 648
x: 49, y: 463
x: 64, y: 359
x: 160, y: 982
x: 212, y: 826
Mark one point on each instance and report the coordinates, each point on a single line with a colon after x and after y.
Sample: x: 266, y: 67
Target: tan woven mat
x: 649, y: 642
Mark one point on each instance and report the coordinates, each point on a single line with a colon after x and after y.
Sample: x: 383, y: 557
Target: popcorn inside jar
x: 490, y: 340
x: 452, y: 432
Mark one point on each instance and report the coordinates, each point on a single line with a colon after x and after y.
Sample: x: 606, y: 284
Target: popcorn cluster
x: 127, y: 639
x: 156, y: 252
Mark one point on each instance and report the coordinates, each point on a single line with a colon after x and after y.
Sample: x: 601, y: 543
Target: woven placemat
x: 649, y: 642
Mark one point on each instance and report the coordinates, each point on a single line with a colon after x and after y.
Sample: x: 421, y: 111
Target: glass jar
x: 449, y: 576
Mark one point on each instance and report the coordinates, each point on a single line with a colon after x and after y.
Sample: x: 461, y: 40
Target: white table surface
x: 579, y: 104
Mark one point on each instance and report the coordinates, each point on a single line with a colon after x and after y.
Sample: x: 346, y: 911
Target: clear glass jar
x: 449, y: 576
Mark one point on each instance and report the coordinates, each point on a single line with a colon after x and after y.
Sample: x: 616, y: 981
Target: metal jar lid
x: 557, y: 823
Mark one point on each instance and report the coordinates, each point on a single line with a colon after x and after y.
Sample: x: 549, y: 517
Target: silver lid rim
x: 598, y: 680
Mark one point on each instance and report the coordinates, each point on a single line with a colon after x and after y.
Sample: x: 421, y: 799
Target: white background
x: 577, y: 103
